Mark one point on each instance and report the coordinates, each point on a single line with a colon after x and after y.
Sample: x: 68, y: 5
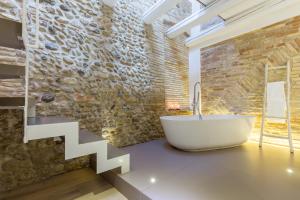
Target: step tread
x: 48, y: 120
x: 9, y: 35
x: 12, y: 70
x: 113, y: 152
x: 12, y: 101
x: 86, y: 136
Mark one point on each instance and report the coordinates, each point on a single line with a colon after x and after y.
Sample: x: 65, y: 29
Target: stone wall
x: 101, y: 66
x: 12, y: 87
x: 233, y: 72
x: 11, y: 9
x: 22, y: 164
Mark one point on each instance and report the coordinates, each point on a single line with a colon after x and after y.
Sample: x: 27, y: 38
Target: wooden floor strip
x: 80, y: 184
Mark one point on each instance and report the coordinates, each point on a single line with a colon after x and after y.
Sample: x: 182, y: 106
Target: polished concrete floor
x: 243, y: 173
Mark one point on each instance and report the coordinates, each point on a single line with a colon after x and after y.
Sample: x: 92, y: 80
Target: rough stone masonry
x: 99, y: 65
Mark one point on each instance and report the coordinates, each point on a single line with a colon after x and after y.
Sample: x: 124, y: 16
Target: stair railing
x: 27, y: 46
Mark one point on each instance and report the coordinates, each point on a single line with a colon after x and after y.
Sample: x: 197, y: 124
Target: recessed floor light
x: 289, y: 171
x: 152, y: 180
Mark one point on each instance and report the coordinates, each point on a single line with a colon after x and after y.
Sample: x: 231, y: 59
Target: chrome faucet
x: 196, y: 100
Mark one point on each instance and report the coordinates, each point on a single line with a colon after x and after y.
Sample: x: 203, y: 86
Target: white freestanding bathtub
x: 212, y: 132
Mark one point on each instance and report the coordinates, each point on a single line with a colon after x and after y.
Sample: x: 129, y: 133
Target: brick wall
x: 233, y: 72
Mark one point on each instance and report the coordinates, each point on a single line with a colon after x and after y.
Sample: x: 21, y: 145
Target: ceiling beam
x: 272, y: 11
x: 109, y: 3
x: 158, y: 9
x: 201, y: 17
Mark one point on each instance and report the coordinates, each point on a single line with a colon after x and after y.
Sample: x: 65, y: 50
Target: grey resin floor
x: 243, y: 173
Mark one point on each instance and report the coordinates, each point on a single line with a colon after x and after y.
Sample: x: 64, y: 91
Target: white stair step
x: 48, y: 120
x: 86, y: 137
x: 113, y: 152
x: 42, y: 127
x: 79, y: 143
x: 10, y: 34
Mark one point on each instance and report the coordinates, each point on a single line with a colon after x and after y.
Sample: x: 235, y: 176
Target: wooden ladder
x: 288, y: 96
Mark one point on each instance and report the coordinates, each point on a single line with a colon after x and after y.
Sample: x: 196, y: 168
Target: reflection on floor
x: 82, y: 184
x: 161, y: 172
x: 111, y: 194
x: 276, y: 140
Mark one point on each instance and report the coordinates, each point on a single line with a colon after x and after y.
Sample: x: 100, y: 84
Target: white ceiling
x: 205, y: 2
x: 241, y: 16
x: 271, y: 12
x: 240, y: 7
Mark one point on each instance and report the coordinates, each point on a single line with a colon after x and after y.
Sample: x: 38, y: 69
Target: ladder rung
x: 277, y: 67
x: 275, y: 136
x: 276, y: 117
x: 277, y: 81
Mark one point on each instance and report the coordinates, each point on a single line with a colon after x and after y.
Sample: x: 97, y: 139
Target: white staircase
x: 77, y: 142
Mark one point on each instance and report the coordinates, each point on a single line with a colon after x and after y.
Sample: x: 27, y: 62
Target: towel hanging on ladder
x: 276, y: 102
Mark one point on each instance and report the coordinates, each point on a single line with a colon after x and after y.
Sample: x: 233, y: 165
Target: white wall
x: 194, y: 58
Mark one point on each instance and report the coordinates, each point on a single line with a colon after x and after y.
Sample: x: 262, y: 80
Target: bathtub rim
x: 182, y: 118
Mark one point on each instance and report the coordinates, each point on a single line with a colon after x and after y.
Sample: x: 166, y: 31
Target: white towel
x: 276, y: 100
